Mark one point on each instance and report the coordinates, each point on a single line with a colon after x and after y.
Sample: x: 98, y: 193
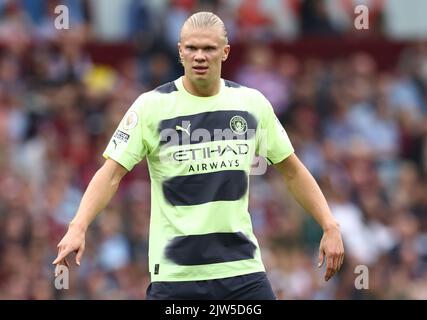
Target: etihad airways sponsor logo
x: 215, y: 149
x: 194, y: 153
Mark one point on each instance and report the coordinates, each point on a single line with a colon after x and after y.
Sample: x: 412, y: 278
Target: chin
x: 200, y: 78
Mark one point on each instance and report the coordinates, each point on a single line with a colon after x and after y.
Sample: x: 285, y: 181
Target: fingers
x: 62, y: 253
x: 57, y: 259
x: 332, y: 247
x: 71, y: 242
x: 58, y: 266
x: 329, y: 267
x: 65, y: 261
x: 334, y: 262
x: 57, y: 269
x: 321, y: 258
x: 79, y: 255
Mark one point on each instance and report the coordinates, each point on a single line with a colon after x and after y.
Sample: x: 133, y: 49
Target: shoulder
x: 232, y: 84
x: 166, y: 88
x: 161, y: 92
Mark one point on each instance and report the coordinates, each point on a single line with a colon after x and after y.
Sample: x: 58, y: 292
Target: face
x: 202, y: 52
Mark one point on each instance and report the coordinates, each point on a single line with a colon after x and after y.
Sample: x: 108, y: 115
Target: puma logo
x: 186, y: 130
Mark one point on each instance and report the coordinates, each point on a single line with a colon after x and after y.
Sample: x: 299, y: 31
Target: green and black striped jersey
x: 200, y: 153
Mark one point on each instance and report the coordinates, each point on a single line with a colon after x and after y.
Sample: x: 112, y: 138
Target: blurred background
x: 354, y: 103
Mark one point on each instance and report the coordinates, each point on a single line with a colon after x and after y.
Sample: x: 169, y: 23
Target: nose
x: 199, y: 56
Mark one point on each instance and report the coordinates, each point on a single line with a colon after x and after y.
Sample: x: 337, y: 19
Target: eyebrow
x: 203, y: 47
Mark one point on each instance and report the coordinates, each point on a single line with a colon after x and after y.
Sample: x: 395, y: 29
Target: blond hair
x: 205, y: 20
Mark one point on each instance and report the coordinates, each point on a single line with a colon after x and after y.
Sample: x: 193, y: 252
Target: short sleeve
x: 273, y: 142
x: 128, y: 144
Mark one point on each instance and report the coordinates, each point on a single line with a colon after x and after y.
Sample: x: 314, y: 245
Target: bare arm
x: 306, y: 191
x: 98, y: 194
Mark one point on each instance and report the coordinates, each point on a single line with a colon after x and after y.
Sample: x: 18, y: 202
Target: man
x: 200, y: 134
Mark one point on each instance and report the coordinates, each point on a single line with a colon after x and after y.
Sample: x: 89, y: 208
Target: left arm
x: 306, y: 191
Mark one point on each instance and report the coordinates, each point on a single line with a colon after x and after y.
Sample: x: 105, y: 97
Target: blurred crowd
x: 154, y: 20
x: 361, y: 131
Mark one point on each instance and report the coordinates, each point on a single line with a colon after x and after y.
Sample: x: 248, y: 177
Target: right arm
x: 98, y: 194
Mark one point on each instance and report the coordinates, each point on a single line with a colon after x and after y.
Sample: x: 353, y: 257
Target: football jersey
x: 200, y: 153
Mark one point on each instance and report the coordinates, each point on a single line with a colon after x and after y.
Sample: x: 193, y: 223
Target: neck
x: 202, y: 89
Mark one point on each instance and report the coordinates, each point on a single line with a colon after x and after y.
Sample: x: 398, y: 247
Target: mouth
x: 200, y: 69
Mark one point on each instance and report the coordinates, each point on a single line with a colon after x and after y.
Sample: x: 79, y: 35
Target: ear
x: 180, y: 52
x: 226, y: 52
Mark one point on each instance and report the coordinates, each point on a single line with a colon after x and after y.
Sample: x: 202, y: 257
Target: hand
x: 73, y: 241
x: 332, y: 247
